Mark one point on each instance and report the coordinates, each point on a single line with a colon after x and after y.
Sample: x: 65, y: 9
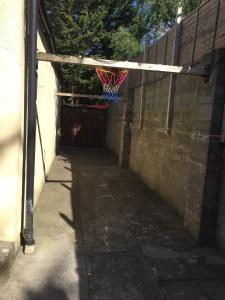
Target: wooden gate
x: 83, y: 126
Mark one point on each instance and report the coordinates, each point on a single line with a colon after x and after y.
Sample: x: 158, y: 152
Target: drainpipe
x: 27, y: 234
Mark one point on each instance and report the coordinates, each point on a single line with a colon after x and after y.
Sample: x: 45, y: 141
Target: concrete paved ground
x: 102, y: 235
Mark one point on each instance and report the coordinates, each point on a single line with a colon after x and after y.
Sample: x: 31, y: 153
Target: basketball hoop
x: 111, y: 80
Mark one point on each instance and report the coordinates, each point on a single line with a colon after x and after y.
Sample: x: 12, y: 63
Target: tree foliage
x: 163, y: 13
x: 97, y: 28
x: 110, y: 29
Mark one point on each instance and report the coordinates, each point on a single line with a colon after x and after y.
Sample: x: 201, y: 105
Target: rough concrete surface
x: 101, y: 235
x: 7, y: 254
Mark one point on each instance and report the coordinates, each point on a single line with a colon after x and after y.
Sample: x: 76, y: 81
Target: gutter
x: 27, y: 233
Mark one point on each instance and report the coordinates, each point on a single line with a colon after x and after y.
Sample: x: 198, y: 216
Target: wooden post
x: 216, y: 25
x: 175, y: 59
x: 165, y: 54
x: 156, y: 48
x: 194, y: 37
x: 141, y: 111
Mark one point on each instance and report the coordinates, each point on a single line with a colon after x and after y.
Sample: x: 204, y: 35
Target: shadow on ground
x: 48, y: 292
x: 132, y: 245
x: 102, y: 235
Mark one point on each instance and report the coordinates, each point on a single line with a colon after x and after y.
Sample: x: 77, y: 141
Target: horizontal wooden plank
x: 65, y: 59
x: 86, y: 106
x: 79, y: 95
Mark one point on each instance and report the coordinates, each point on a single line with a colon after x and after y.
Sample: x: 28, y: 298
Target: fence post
x: 175, y: 59
x: 194, y: 37
x: 166, y: 47
x: 141, y: 112
x: 216, y: 25
x: 155, y: 59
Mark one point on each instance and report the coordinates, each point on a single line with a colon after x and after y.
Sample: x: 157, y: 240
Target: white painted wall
x: 47, y: 104
x: 11, y: 116
x: 12, y: 75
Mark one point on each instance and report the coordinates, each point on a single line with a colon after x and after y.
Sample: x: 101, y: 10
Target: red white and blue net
x: 111, y: 81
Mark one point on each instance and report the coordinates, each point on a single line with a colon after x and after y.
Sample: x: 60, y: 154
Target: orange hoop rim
x: 112, y: 70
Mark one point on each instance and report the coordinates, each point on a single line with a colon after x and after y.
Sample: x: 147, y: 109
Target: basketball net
x: 111, y: 80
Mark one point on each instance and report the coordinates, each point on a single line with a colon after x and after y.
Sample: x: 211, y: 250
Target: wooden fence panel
x: 187, y: 39
x: 220, y: 34
x: 170, y: 43
x: 149, y: 77
x: 161, y: 56
x: 151, y: 59
x: 206, y: 29
x: 201, y: 32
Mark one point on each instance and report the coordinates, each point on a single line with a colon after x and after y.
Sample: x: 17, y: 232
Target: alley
x: 101, y: 235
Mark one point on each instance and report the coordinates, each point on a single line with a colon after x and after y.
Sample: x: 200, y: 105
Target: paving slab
x: 102, y: 234
x: 7, y: 255
x: 185, y: 290
x: 215, y: 289
x: 122, y: 276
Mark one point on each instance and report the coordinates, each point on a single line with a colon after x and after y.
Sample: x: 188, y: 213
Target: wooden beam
x: 86, y: 106
x: 194, y: 37
x: 216, y: 24
x: 73, y: 95
x: 79, y: 95
x: 65, y: 59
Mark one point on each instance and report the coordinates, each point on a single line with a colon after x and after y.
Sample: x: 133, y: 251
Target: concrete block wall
x: 114, y: 127
x: 175, y: 165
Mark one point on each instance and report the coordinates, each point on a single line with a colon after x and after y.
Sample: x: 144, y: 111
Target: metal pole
x: 27, y: 235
